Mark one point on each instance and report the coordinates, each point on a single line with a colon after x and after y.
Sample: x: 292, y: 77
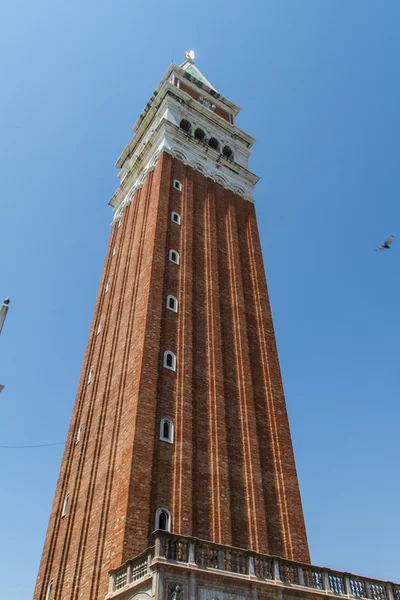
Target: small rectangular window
x: 114, y: 250
x: 99, y: 327
x: 107, y: 286
x: 90, y: 377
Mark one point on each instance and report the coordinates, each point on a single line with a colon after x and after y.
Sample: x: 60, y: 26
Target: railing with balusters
x: 200, y: 554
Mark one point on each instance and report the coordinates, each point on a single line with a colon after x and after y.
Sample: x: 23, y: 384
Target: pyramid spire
x: 189, y: 66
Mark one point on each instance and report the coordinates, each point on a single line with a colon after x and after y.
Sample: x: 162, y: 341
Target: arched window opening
x: 185, y: 125
x: 213, y: 143
x: 163, y: 519
x: 177, y: 185
x: 172, y: 303
x: 167, y: 431
x: 199, y: 134
x: 227, y: 152
x: 176, y: 217
x: 65, y: 506
x: 169, y: 360
x: 174, y: 256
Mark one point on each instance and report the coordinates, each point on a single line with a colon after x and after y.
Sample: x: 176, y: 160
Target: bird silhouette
x: 386, y: 244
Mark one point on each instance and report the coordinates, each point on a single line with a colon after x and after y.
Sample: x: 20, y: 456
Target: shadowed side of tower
x: 180, y: 421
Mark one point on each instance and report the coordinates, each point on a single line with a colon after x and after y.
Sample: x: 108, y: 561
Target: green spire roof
x: 190, y: 68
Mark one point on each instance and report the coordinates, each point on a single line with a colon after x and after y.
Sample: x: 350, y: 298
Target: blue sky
x: 319, y: 87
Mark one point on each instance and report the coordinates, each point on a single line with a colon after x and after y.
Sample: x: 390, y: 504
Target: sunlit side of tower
x: 179, y: 423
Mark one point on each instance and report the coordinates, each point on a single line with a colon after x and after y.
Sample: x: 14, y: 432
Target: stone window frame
x: 168, y: 353
x: 177, y: 185
x: 90, y: 376
x: 79, y: 434
x: 65, y: 505
x: 49, y: 590
x: 171, y: 254
x: 164, y: 510
x: 176, y: 220
x: 175, y: 300
x: 170, y: 437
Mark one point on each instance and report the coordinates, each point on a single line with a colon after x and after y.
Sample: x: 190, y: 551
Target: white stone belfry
x: 190, y: 120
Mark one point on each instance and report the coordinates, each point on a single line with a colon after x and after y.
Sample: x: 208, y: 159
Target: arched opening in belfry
x: 185, y: 125
x: 213, y: 143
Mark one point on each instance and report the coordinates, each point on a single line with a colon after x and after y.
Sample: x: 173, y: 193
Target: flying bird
x: 386, y: 244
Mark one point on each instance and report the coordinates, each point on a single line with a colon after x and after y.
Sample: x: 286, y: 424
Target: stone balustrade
x: 131, y: 571
x: 247, y: 565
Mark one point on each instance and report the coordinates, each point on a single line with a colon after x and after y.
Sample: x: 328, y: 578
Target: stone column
x: 3, y: 312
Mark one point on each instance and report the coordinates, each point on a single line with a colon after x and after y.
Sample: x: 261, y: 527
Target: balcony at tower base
x: 182, y: 568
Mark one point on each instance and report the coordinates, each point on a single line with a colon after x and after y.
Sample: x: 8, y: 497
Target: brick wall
x: 230, y: 475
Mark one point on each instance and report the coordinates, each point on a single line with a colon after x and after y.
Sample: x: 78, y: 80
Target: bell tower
x: 179, y: 430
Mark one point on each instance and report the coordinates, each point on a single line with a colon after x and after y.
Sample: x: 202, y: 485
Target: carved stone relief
x: 219, y: 594
x: 175, y: 591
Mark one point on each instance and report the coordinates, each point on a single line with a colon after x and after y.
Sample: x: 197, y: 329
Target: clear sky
x: 318, y: 81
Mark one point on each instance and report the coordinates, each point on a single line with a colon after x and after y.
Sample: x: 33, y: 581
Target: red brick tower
x: 179, y: 422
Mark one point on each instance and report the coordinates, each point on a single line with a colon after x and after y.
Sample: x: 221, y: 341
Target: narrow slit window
x: 167, y: 431
x: 169, y: 360
x: 172, y: 303
x: 99, y: 327
x: 114, y: 251
x: 177, y: 185
x: 79, y: 434
x: 107, y: 286
x: 174, y: 256
x: 49, y: 588
x: 90, y: 376
x: 65, y: 506
x: 176, y: 218
x: 163, y: 519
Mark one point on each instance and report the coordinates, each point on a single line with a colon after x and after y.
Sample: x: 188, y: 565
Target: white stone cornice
x: 171, y: 139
